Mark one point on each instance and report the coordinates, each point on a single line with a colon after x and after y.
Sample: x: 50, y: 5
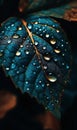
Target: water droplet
x: 67, y: 67
x: 38, y: 67
x: 53, y: 41
x: 36, y: 43
x: 63, y: 64
x: 57, y: 31
x: 45, y: 67
x: 48, y: 84
x: 18, y: 53
x: 37, y: 86
x: 47, y: 58
x: 20, y: 28
x: 26, y: 82
x: 40, y: 29
x: 43, y: 85
x: 27, y: 52
x: 57, y: 51
x: 30, y: 26
x: 2, y: 32
x: 9, y: 41
x: 47, y: 35
x: 62, y: 45
x: 40, y: 81
x: 52, y: 78
x: 36, y: 22
x: 12, y: 25
x: 27, y: 89
x: 7, y: 68
x: 63, y: 54
x: 55, y: 59
x: 34, y: 72
x: 13, y: 66
x: 44, y: 48
x: 15, y: 36
x: 17, y: 72
x: 34, y: 63
x: 21, y: 46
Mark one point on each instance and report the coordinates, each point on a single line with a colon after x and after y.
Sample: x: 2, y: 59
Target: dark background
x: 69, y: 102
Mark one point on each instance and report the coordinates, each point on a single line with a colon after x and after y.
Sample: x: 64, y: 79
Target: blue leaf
x: 35, y: 52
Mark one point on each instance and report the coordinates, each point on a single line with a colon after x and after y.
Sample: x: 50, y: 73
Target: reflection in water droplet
x: 26, y: 82
x: 45, y: 67
x: 47, y: 58
x: 67, y: 67
x: 12, y: 25
x: 36, y: 43
x: 40, y: 81
x: 36, y: 23
x: 53, y: 41
x: 48, y: 84
x: 15, y: 36
x: 34, y: 63
x: 52, y: 78
x: 29, y: 26
x: 27, y: 52
x: 21, y: 46
x: 27, y: 89
x: 18, y: 53
x: 57, y: 31
x: 13, y: 66
x: 9, y: 41
x: 7, y: 68
x: 20, y: 28
x: 44, y: 48
x: 57, y: 51
x: 47, y: 35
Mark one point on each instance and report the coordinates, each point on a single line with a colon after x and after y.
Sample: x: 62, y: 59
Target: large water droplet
x: 47, y: 35
x: 53, y: 41
x: 36, y: 43
x: 18, y: 53
x: 57, y: 51
x: 15, y: 36
x: 47, y: 58
x: 7, y: 68
x: 52, y: 78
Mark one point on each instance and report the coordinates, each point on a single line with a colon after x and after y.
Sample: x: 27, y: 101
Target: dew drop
x: 45, y: 67
x: 63, y: 54
x: 36, y: 43
x: 9, y: 41
x: 47, y: 58
x: 52, y: 78
x: 43, y: 85
x: 47, y: 35
x: 55, y: 59
x: 57, y: 51
x: 63, y: 63
x: 12, y: 25
x: 30, y: 26
x: 13, y: 66
x: 34, y: 63
x: 53, y: 41
x: 17, y: 72
x: 7, y: 68
x: 67, y: 67
x: 21, y: 46
x: 27, y: 89
x: 44, y: 48
x: 20, y: 28
x: 48, y: 84
x: 57, y: 31
x: 27, y: 52
x: 36, y: 22
x: 18, y: 53
x: 26, y: 82
x: 15, y: 36
x: 40, y: 81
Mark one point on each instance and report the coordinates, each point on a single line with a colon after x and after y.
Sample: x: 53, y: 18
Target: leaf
x: 67, y: 11
x: 35, y: 52
x: 36, y: 5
